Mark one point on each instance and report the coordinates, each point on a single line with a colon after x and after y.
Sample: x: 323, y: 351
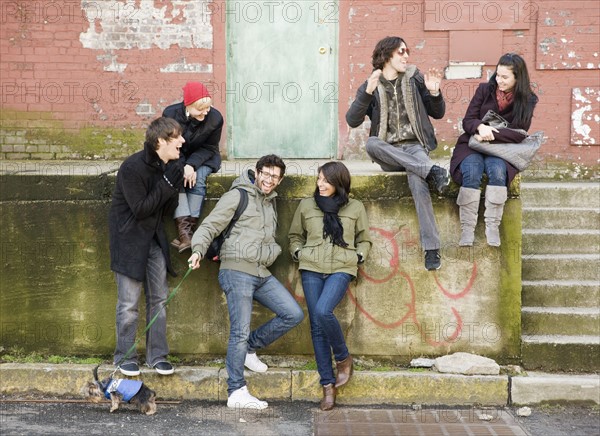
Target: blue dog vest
x: 125, y: 387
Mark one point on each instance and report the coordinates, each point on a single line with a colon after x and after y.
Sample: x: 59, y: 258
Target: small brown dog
x: 131, y: 391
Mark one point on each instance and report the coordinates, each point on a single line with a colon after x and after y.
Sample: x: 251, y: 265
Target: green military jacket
x: 314, y: 253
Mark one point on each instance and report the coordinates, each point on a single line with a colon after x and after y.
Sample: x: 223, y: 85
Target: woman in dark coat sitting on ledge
x: 202, y: 125
x: 509, y: 94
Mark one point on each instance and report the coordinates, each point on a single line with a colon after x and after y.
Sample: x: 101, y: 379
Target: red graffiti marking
x: 465, y: 291
x: 411, y: 312
x: 394, y: 262
x: 451, y: 339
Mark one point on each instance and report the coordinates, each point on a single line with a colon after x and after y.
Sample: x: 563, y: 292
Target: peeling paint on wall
x: 128, y: 24
x: 557, y: 52
x: 184, y: 67
x: 585, y: 116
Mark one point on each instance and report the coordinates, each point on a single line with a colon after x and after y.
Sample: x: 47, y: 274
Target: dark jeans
x: 240, y: 289
x: 323, y: 292
x: 474, y: 165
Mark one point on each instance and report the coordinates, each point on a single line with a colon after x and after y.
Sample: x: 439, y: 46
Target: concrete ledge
x: 367, y: 387
x: 539, y: 387
x: 58, y: 269
x: 203, y: 383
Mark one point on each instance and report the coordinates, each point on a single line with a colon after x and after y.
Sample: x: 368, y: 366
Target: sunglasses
x: 404, y: 50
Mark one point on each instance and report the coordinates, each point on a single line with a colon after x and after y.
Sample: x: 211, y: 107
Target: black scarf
x: 332, y: 226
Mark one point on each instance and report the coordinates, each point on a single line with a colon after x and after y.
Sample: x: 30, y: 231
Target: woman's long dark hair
x: 384, y: 50
x: 338, y: 176
x: 524, y: 98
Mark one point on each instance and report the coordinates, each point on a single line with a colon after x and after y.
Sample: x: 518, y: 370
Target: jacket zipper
x: 397, y: 111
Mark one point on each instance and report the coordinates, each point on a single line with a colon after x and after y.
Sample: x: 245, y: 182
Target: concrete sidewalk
x: 423, y: 387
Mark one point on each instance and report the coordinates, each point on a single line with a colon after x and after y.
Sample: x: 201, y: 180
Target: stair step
x: 561, y: 353
x: 584, y: 267
x: 560, y: 193
x: 560, y: 320
x: 561, y: 218
x: 561, y: 241
x: 560, y: 293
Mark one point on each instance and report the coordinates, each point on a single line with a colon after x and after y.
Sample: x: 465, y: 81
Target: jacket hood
x: 247, y: 181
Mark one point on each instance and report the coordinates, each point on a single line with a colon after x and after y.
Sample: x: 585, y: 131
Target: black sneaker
x: 433, y: 260
x: 440, y: 178
x: 130, y: 369
x: 164, y: 368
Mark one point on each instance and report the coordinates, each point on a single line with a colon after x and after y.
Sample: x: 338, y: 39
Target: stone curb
x: 366, y: 388
x: 209, y: 383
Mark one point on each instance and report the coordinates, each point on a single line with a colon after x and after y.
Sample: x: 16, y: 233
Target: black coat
x: 140, y: 200
x: 484, y: 100
x: 202, y: 138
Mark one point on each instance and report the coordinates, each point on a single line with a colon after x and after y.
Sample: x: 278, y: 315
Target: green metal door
x: 282, y: 89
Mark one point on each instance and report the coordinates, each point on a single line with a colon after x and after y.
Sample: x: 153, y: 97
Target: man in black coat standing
x: 146, y: 189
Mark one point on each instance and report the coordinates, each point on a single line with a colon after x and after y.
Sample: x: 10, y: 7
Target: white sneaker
x: 244, y: 400
x: 253, y: 363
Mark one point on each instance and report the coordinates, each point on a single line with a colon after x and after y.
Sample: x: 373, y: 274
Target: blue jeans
x: 413, y: 159
x: 240, y: 289
x: 474, y: 165
x: 323, y: 292
x: 191, y: 203
x: 129, y: 291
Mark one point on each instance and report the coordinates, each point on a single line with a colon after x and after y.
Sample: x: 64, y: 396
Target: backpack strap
x: 241, y: 207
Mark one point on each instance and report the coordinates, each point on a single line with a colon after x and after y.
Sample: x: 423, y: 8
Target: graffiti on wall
x: 393, y: 271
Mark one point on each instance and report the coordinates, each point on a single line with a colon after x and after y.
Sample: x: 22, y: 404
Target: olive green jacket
x: 251, y: 246
x: 317, y: 254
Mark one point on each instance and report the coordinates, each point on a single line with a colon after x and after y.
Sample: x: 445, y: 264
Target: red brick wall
x: 560, y: 41
x: 97, y: 70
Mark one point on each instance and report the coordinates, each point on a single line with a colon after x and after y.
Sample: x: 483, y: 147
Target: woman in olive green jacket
x: 329, y: 237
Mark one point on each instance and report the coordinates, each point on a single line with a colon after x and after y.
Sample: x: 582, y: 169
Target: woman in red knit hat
x: 202, y: 125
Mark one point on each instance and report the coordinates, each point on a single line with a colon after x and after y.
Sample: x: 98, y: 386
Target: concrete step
x: 584, y: 267
x: 565, y: 194
x: 561, y: 241
x: 561, y: 218
x: 537, y: 387
x: 559, y: 293
x: 560, y: 321
x: 561, y: 353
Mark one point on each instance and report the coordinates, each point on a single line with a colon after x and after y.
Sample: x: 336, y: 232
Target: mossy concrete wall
x: 58, y: 296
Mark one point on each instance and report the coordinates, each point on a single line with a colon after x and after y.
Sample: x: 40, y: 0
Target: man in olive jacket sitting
x: 244, y: 276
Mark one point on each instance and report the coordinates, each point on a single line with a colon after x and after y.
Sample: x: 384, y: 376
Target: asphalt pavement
x: 287, y: 418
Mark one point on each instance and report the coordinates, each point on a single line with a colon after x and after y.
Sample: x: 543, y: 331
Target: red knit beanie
x: 194, y: 91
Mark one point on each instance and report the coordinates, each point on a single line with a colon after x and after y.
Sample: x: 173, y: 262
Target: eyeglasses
x: 404, y: 50
x: 268, y: 176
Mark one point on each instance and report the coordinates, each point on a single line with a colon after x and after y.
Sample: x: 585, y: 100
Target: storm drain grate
x: 425, y: 422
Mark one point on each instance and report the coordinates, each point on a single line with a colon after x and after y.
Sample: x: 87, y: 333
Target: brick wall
x: 560, y: 41
x: 83, y: 78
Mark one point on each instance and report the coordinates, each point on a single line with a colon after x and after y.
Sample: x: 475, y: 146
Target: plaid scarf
x: 504, y: 99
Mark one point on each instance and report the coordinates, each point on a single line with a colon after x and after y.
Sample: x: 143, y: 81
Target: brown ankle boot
x: 184, y: 228
x: 329, y: 393
x: 344, y: 371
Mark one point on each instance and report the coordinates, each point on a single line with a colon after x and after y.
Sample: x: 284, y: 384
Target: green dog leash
x: 169, y: 298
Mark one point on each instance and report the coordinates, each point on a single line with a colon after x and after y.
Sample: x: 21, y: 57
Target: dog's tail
x: 95, y: 371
